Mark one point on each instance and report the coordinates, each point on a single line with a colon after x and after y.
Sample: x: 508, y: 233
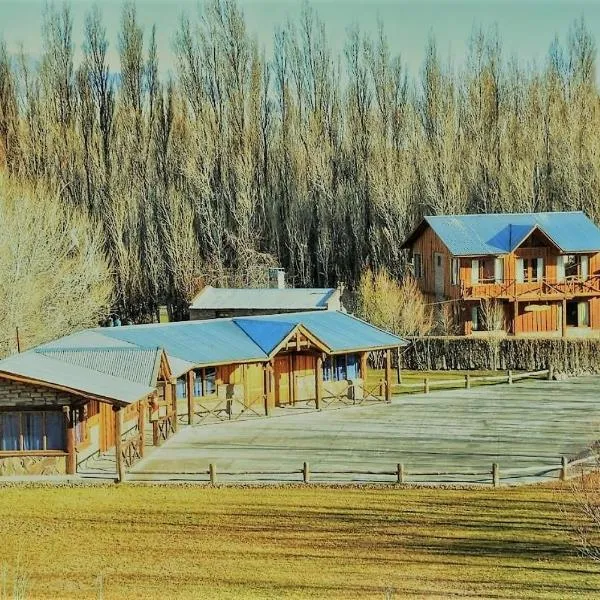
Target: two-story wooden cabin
x: 528, y: 273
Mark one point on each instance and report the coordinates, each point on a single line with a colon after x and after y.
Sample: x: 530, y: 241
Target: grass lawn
x: 311, y: 542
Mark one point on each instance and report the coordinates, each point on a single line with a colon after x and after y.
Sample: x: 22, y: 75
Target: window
x: 340, y: 368
x: 417, y: 265
x: 475, y: 271
x: 455, y: 274
x: 530, y: 269
x: 475, y: 318
x: 205, y: 382
x: 575, y: 266
x: 32, y: 430
x: 499, y: 270
x: 181, y: 388
x: 578, y: 314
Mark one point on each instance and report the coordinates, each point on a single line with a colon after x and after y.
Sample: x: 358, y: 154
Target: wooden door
x: 283, y: 380
x: 438, y: 269
x: 107, y: 427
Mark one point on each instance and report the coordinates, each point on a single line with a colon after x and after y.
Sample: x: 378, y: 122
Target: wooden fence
x: 510, y: 377
x: 399, y: 475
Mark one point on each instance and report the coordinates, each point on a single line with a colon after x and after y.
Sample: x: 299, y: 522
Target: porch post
x: 171, y: 401
x: 564, y: 318
x: 271, y: 388
x: 141, y: 426
x: 118, y: 454
x: 398, y: 367
x: 266, y: 388
x: 388, y: 375
x: 190, y: 396
x: 515, y: 316
x: 363, y: 367
x: 319, y: 381
x: 71, y: 463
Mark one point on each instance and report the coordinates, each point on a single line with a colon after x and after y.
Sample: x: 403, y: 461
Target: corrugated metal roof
x: 265, y: 333
x: 197, y: 342
x: 476, y: 235
x: 42, y: 368
x: 291, y: 299
x: 132, y: 363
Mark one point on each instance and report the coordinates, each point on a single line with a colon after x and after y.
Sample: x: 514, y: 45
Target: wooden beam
x: 515, y: 317
x: 71, y: 463
x: 319, y: 381
x: 271, y: 393
x: 564, y: 318
x: 266, y: 388
x: 190, y: 396
x: 398, y: 367
x: 388, y: 375
x: 118, y: 414
x: 141, y: 426
x: 171, y: 401
x: 364, y: 366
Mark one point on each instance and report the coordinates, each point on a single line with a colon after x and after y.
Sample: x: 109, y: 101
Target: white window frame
x: 499, y: 269
x: 455, y: 270
x: 475, y: 271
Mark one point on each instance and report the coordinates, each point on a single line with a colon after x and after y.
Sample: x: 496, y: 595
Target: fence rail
x: 468, y: 380
x: 400, y: 474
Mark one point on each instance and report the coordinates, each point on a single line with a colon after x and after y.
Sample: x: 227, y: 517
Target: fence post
x: 426, y: 385
x: 550, y: 372
x: 495, y: 475
x: 400, y: 472
x: 564, y: 468
x: 510, y: 377
x: 467, y: 381
x: 306, y: 472
x: 212, y: 471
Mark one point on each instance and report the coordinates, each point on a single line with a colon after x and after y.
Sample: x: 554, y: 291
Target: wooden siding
x: 427, y: 245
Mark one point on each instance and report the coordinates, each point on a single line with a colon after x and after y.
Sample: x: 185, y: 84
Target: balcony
x: 542, y: 289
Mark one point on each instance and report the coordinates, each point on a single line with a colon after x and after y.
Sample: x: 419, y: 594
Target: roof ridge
x: 130, y: 348
x: 504, y: 214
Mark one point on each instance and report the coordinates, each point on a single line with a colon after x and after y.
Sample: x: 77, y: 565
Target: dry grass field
x: 192, y: 542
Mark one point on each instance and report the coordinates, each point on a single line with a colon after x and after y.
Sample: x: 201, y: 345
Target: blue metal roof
x: 265, y: 333
x: 199, y: 342
x: 476, y: 235
x: 240, y: 339
x: 339, y: 331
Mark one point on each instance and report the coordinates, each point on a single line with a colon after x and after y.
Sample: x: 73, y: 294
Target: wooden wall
x: 427, y: 245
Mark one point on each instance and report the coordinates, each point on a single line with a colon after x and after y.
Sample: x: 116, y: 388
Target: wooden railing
x: 162, y: 428
x: 544, y: 287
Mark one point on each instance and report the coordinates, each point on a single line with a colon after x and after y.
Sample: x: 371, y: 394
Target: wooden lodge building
x: 67, y: 401
x: 523, y: 274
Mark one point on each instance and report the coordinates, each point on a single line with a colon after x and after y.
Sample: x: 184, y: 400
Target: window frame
x: 455, y: 270
x: 205, y: 375
x: 418, y: 265
x: 22, y: 435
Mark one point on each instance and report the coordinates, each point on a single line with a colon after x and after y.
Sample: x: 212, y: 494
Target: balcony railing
x: 541, y: 288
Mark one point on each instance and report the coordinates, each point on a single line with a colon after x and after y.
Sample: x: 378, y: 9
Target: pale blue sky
x: 527, y: 27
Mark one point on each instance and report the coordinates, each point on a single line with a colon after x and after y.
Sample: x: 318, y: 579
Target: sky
x: 526, y: 27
